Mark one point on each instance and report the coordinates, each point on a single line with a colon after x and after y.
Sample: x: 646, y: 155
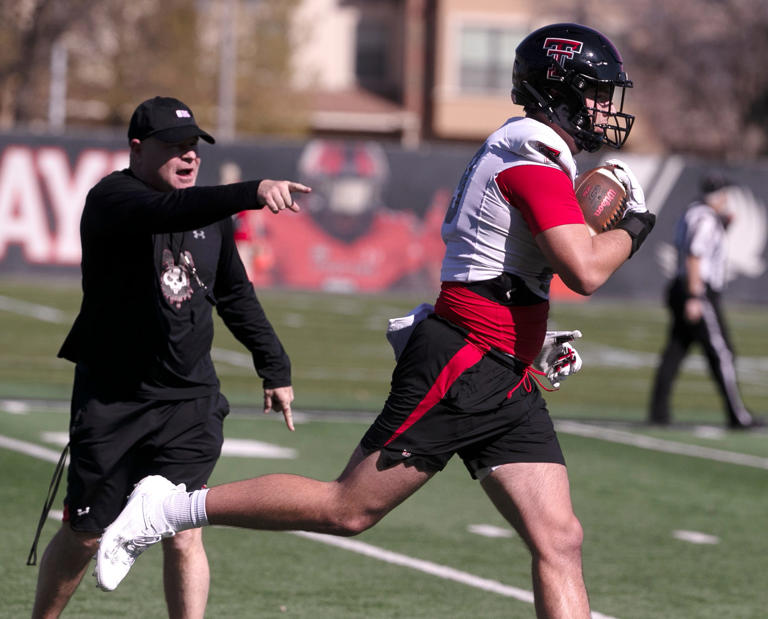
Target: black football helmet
x: 575, y: 75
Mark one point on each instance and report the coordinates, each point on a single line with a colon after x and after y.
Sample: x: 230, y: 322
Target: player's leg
x: 522, y: 470
x: 362, y: 495
x: 156, y: 509
x: 186, y: 575
x: 62, y: 567
x: 535, y: 499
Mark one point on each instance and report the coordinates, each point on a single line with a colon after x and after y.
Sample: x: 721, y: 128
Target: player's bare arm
x: 582, y: 261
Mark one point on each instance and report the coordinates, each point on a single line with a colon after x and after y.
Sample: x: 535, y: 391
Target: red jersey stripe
x: 465, y: 358
x: 515, y: 329
x: 543, y: 195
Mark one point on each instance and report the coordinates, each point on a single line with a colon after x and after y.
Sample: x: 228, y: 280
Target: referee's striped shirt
x: 701, y: 233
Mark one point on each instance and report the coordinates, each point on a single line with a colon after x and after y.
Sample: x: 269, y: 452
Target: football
x: 602, y: 198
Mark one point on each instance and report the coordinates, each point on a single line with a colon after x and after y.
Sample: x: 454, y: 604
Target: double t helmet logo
x: 560, y: 49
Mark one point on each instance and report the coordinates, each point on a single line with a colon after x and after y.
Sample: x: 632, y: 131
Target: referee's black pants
x: 712, y: 334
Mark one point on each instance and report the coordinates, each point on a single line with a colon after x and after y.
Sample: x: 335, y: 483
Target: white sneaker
x: 133, y: 532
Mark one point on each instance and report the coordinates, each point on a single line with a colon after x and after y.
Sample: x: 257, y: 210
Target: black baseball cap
x: 166, y: 119
x: 715, y: 181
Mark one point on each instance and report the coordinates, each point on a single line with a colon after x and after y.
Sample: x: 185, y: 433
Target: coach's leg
x: 186, y: 575
x: 535, y: 499
x: 358, y: 499
x: 62, y: 567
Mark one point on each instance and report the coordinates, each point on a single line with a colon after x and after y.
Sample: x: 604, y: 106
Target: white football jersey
x: 503, y: 199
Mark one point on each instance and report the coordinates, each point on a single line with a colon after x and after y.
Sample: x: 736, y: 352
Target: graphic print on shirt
x: 174, y: 278
x: 460, y: 193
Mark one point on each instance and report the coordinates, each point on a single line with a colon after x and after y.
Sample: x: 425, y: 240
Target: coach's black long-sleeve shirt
x: 153, y: 265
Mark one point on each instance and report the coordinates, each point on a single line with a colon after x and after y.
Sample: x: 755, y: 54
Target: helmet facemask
x: 591, y: 110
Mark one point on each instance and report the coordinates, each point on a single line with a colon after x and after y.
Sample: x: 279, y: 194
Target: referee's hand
x: 279, y: 400
x: 276, y: 195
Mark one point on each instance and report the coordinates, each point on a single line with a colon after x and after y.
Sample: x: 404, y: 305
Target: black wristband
x: 637, y: 226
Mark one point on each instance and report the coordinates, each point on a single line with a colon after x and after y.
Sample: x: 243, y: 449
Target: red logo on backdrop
x: 561, y: 50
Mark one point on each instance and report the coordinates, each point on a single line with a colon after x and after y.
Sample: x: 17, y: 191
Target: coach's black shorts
x: 448, y: 397
x: 113, y: 444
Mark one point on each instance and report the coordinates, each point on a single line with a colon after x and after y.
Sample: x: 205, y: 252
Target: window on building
x: 372, y: 53
x: 486, y: 58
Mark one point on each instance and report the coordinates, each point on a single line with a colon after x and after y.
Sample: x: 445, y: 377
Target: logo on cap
x: 183, y: 114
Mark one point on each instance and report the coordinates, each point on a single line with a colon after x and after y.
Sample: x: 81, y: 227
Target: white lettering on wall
x: 67, y: 193
x: 22, y: 212
x: 42, y: 197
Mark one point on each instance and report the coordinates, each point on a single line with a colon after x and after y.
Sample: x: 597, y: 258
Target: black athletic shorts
x: 113, y: 444
x: 448, y: 397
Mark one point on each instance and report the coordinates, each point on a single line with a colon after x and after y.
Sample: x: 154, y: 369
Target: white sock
x: 185, y: 510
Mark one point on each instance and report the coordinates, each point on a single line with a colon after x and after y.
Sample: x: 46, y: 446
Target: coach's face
x: 165, y: 166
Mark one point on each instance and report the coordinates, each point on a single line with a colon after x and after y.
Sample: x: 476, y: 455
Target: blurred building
x: 411, y: 70
x: 408, y: 71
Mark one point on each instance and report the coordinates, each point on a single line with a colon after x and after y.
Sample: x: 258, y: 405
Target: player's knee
x: 573, y: 535
x: 568, y: 538
x: 561, y: 541
x: 354, y: 522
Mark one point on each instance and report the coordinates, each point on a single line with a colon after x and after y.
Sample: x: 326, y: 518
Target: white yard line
x: 695, y: 537
x: 435, y: 569
x: 232, y: 447
x: 24, y: 308
x: 442, y: 571
x: 489, y: 530
x: 29, y: 449
x: 658, y: 444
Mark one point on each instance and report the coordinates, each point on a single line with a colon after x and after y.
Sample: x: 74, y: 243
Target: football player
x: 464, y: 382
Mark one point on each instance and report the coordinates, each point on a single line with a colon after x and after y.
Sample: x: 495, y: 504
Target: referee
x: 694, y: 300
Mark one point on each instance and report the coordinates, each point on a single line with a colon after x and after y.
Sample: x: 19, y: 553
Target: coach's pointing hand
x: 276, y: 195
x: 279, y: 400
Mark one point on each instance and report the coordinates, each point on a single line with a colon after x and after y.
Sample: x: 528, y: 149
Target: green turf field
x: 637, y: 490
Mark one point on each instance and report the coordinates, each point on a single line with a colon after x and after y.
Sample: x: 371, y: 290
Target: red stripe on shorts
x: 465, y: 358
